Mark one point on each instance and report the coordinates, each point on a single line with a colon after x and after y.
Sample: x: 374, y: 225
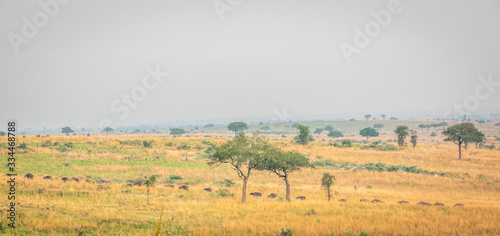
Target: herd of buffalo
x: 255, y: 194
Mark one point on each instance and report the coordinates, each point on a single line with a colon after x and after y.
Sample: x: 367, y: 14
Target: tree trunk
x: 459, y: 151
x: 287, y: 189
x: 244, y: 190
x: 328, y: 193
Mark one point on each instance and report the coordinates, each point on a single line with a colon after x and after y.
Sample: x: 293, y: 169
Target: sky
x: 92, y: 63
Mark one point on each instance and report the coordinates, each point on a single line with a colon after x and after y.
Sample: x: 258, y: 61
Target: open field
x: 54, y: 207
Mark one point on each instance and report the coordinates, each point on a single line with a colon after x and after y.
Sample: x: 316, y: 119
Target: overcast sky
x: 70, y: 64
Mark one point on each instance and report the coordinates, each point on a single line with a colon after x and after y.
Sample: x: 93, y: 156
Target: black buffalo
x: 47, y: 177
x: 184, y: 187
x: 29, y: 176
x: 256, y: 194
x: 208, y: 189
x: 272, y: 195
x: 64, y: 179
x: 403, y: 202
x: 301, y: 197
x: 75, y: 179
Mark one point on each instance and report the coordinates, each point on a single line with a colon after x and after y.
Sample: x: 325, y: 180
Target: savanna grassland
x: 432, y: 174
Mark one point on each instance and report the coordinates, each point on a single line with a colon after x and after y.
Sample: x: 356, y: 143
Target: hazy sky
x: 69, y: 64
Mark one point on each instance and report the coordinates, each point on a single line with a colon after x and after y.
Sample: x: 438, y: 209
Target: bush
x: 310, y: 212
x: 147, y: 144
x: 335, y: 134
x: 23, y: 146
x: 433, y: 134
x: 226, y: 182
x: 175, y: 177
x: 184, y: 146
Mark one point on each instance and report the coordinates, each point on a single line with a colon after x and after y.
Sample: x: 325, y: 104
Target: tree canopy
x: 368, y: 132
x: 67, y: 130
x: 243, y: 154
x: 176, y: 132
x: 303, y: 134
x: 237, y: 126
x: 329, y: 128
x: 283, y: 164
x: 402, y: 132
x: 462, y: 134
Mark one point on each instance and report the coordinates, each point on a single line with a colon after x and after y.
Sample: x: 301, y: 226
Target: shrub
x: 310, y: 212
x: 23, y: 146
x: 226, y: 182
x: 335, y: 134
x: 184, y: 146
x: 147, y: 144
x: 433, y: 134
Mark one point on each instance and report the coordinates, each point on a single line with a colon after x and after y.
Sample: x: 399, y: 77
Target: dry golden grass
x: 54, y: 207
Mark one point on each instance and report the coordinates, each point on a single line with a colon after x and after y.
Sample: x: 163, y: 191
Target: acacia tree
x: 67, y: 130
x: 462, y: 134
x: 327, y: 183
x: 383, y: 116
x: 283, y: 164
x: 176, y: 132
x: 368, y: 132
x: 367, y: 117
x: 244, y: 154
x: 2, y: 133
x: 378, y: 126
x: 237, y: 127
x: 107, y: 130
x: 402, y: 132
x: 497, y: 124
x: 413, y: 138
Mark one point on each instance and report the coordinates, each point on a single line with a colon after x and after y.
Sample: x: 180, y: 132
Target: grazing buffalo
x: 75, y: 179
x: 184, y: 187
x: 130, y: 185
x: 207, y: 189
x: 29, y: 176
x: 256, y: 194
x: 459, y: 205
x: 64, y: 179
x: 364, y: 200
x: 403, y: 202
x: 438, y: 204
x: 377, y: 201
x: 47, y: 177
x: 273, y: 195
x: 301, y: 197
x: 342, y: 200
x: 424, y: 204
x: 89, y: 181
x: 138, y: 184
x: 103, y: 181
x: 170, y: 185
